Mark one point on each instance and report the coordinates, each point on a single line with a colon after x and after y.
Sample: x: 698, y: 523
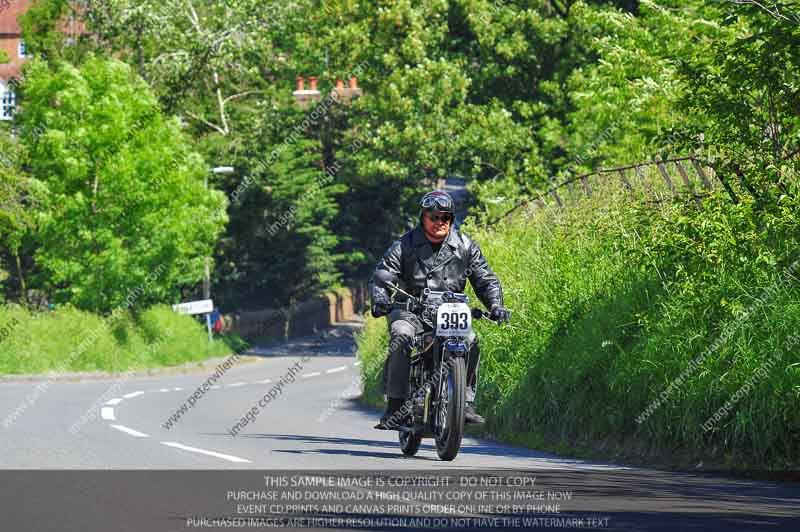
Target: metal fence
x: 686, y: 176
x: 678, y: 176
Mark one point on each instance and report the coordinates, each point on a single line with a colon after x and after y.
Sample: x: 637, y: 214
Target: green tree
x: 43, y: 28
x: 200, y: 58
x: 510, y: 94
x: 745, y: 92
x: 424, y: 115
x: 226, y: 69
x: 124, y: 190
x: 280, y: 244
x: 622, y: 105
x: 17, y: 200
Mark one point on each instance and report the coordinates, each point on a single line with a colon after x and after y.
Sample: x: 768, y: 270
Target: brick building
x: 12, y: 44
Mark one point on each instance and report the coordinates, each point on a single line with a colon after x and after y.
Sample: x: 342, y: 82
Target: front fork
x: 451, y: 349
x: 431, y: 389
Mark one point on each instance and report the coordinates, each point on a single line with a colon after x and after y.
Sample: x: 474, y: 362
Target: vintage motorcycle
x: 434, y: 407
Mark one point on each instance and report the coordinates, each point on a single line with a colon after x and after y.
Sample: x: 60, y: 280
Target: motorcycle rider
x: 432, y: 255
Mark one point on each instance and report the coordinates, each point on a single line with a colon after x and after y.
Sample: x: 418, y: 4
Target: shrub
x: 69, y: 339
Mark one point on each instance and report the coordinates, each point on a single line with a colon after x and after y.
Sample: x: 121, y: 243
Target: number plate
x: 453, y: 319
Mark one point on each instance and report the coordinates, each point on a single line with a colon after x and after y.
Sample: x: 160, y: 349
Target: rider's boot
x: 391, y: 419
x: 471, y: 416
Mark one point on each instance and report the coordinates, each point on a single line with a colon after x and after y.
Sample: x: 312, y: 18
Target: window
x: 21, y: 50
x: 8, y: 102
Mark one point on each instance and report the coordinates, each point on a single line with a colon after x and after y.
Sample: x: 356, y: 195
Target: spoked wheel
x: 450, y: 413
x: 410, y: 442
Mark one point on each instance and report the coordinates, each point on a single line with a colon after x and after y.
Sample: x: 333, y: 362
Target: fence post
x: 625, y: 181
x: 743, y: 180
x: 558, y: 199
x: 725, y: 184
x: 728, y: 188
x: 541, y: 201
x: 664, y: 174
x: 586, y: 187
x: 645, y: 183
x: 553, y: 188
x: 687, y: 182
x: 702, y: 173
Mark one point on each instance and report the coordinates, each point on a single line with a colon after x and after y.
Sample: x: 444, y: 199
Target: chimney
x: 304, y: 97
x: 346, y: 95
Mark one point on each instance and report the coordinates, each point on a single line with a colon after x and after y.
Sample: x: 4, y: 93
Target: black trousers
x: 403, y: 326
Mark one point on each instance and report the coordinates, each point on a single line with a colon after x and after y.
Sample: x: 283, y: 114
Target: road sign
x: 203, y: 306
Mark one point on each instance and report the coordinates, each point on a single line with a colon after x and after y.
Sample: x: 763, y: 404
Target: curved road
x: 317, y: 424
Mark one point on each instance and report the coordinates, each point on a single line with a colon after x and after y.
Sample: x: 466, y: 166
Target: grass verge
x: 73, y: 340
x: 642, y: 331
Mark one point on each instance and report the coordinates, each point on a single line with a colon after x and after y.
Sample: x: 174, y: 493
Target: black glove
x: 500, y: 314
x: 381, y: 308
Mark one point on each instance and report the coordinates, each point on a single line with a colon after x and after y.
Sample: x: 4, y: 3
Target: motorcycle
x: 434, y: 407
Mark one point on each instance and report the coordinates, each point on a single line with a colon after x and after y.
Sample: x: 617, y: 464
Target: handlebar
x: 408, y: 305
x: 413, y: 306
x: 478, y: 314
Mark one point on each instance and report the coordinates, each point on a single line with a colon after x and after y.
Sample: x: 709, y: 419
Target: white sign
x: 204, y: 306
x: 453, y: 319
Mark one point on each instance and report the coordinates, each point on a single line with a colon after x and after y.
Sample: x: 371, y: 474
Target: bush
x: 178, y: 338
x: 74, y: 340
x: 372, y: 342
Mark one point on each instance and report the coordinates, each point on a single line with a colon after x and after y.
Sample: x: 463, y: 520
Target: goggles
x: 439, y: 201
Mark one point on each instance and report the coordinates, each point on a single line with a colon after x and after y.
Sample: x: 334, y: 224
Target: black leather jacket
x: 413, y: 260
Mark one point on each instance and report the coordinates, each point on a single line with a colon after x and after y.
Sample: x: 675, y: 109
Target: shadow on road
x: 483, y: 449
x: 334, y: 341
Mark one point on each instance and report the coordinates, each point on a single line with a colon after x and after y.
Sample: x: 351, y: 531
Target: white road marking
x: 130, y: 431
x: 164, y: 390
x: 334, y: 370
x: 177, y: 389
x: 357, y: 363
x: 265, y: 381
x: 115, y: 401
x: 308, y: 375
x: 237, y: 384
x: 132, y: 395
x: 215, y: 387
x: 107, y: 413
x: 203, y: 451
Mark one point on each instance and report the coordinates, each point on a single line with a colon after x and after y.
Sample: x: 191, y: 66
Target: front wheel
x: 450, y: 413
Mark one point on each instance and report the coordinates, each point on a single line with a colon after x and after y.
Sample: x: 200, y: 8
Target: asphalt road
x: 315, y: 424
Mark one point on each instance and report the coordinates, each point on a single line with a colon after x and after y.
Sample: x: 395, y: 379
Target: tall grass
x: 612, y: 299
x: 73, y: 340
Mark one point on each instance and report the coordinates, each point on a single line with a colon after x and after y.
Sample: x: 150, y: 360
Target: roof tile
x: 9, y: 11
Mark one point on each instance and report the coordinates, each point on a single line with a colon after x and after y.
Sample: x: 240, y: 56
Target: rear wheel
x: 450, y: 413
x: 410, y: 442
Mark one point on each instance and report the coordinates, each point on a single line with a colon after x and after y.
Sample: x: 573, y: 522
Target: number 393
x: 453, y: 319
